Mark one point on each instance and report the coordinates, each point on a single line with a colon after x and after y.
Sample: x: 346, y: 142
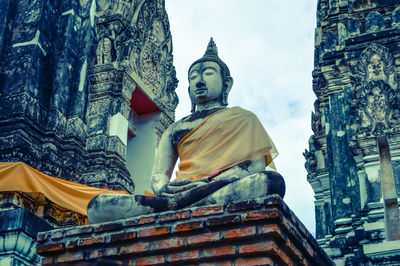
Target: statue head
x: 209, y: 78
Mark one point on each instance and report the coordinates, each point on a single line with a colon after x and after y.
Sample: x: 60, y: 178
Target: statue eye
x: 193, y: 76
x: 208, y: 72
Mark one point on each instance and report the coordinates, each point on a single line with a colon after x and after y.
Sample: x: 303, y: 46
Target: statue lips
x: 200, y: 91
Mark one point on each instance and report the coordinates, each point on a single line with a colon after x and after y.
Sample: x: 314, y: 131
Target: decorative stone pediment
x: 146, y: 48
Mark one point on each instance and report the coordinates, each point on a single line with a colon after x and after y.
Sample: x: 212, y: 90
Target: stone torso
x: 187, y: 124
x: 182, y: 127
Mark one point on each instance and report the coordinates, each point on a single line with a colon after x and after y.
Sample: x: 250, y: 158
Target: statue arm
x: 164, y: 162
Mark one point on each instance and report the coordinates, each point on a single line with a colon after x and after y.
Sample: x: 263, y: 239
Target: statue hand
x: 171, y: 189
x: 224, y: 176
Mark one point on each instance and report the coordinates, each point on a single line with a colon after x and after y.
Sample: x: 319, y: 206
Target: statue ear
x: 228, y: 84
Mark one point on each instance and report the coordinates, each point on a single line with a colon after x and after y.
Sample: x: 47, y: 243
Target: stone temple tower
x: 353, y: 159
x: 87, y: 88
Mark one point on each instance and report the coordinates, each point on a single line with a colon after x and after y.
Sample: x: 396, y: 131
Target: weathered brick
x: 203, y: 211
x: 217, y: 263
x: 98, y: 253
x: 108, y: 262
x: 140, y: 221
x: 48, y: 260
x: 224, y: 220
x: 91, y: 241
x: 50, y: 248
x: 72, y: 244
x: 292, y: 249
x: 42, y: 236
x: 273, y: 230
x: 175, y: 242
x: 255, y: 261
x: 146, y: 220
x: 173, y: 216
x: 268, y: 246
x: 221, y: 251
x: 270, y: 228
x: 109, y: 227
x: 70, y: 257
x: 203, y: 238
x: 57, y: 234
x: 240, y: 232
x: 273, y: 201
x: 188, y: 226
x: 156, y: 231
x: 79, y: 230
x: 183, y: 256
x: 243, y: 206
x: 150, y: 260
x: 269, y: 214
x: 123, y: 236
x: 134, y: 248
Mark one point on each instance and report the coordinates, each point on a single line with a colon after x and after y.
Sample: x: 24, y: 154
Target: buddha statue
x: 223, y: 153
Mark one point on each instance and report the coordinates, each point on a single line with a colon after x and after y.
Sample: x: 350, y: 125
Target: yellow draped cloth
x: 224, y: 139
x: 18, y: 176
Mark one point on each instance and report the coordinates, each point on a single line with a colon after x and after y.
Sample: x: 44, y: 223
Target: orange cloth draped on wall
x: 18, y: 176
x: 224, y: 139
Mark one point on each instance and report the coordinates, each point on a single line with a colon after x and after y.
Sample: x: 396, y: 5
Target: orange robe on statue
x: 224, y: 139
x: 18, y: 176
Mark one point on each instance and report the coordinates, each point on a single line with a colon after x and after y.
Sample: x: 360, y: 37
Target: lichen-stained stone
x: 374, y: 22
x: 353, y: 26
x: 356, y: 85
x: 330, y: 41
x: 396, y: 17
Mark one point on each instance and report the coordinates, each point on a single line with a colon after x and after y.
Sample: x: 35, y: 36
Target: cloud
x: 269, y: 48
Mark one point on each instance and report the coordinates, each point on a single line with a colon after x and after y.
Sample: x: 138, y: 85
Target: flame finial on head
x: 211, y: 54
x: 211, y: 48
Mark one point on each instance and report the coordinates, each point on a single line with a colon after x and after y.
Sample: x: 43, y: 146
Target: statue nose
x: 200, y: 83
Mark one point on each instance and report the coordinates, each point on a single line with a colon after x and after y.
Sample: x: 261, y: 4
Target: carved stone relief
x: 311, y: 162
x: 375, y: 100
x: 153, y: 59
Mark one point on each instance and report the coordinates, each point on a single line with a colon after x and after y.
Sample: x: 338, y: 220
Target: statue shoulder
x: 172, y: 128
x: 239, y: 111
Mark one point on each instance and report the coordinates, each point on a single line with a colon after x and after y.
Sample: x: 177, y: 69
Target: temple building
x: 87, y: 88
x: 353, y: 158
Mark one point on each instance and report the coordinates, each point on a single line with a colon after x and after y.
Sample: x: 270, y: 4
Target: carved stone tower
x: 87, y: 87
x: 356, y: 126
x: 78, y: 78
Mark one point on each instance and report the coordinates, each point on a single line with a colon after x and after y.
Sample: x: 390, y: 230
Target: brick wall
x: 257, y: 232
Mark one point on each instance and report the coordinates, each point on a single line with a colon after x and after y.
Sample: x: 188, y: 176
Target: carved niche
x: 376, y: 100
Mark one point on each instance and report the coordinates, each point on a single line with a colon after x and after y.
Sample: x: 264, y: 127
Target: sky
x: 268, y: 46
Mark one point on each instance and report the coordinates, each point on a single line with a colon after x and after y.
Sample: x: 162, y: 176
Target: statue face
x: 205, y: 82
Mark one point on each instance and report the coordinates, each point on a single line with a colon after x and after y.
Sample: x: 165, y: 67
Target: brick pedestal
x: 257, y: 232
